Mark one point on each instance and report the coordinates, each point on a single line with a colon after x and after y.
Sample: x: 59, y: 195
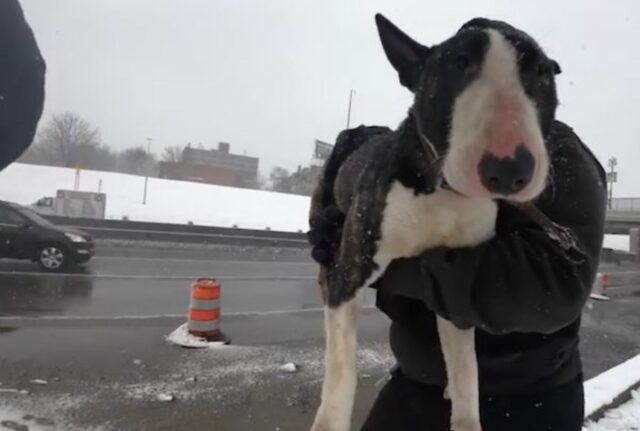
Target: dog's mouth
x: 477, y: 173
x: 444, y: 184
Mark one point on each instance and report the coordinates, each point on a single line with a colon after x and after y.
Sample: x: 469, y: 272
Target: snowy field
x: 171, y: 201
x: 167, y: 200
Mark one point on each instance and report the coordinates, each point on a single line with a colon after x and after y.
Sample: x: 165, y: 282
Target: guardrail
x: 619, y: 222
x: 210, y: 235
x: 194, y: 234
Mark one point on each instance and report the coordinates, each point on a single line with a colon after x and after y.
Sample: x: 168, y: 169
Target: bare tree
x: 305, y: 179
x: 68, y: 140
x: 137, y: 161
x: 172, y: 154
x: 102, y: 159
x: 281, y: 180
x: 301, y: 182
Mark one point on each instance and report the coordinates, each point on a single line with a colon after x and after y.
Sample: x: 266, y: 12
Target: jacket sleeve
x: 524, y: 279
x: 22, y: 71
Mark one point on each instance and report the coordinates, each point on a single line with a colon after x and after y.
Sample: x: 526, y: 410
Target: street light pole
x: 612, y: 177
x: 351, y: 93
x: 146, y: 176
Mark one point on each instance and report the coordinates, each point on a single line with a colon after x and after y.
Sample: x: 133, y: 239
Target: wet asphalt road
x: 143, y: 282
x: 96, y: 337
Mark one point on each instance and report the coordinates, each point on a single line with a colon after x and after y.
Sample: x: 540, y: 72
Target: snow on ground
x: 182, y: 337
x: 168, y: 201
x: 230, y: 372
x: 42, y: 413
x: 616, y: 242
x: 624, y: 418
x: 604, y: 388
x: 13, y: 419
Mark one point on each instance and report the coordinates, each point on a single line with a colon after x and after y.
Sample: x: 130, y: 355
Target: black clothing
x: 522, y: 289
x: 406, y: 405
x: 22, y: 72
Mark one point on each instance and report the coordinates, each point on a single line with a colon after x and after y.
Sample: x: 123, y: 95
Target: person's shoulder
x: 350, y: 139
x: 567, y: 150
x: 576, y: 190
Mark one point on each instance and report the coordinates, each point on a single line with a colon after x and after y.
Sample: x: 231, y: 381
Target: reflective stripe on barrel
x: 204, y: 304
x: 204, y: 309
x: 195, y: 325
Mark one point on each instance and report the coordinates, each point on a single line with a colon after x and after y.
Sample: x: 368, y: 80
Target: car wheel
x: 52, y: 257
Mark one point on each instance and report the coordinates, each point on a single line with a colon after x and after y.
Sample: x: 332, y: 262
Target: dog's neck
x: 417, y: 167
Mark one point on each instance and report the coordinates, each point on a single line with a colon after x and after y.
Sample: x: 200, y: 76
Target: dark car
x: 26, y: 235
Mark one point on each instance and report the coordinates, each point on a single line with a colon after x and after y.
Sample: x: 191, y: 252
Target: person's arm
x: 22, y: 71
x: 521, y: 280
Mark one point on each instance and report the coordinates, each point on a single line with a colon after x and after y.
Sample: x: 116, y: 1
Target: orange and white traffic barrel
x: 600, y: 284
x: 204, y: 310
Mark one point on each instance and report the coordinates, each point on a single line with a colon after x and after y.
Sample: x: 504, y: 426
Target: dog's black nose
x: 508, y: 175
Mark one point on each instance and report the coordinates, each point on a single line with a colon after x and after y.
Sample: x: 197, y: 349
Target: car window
x: 34, y: 217
x: 10, y: 217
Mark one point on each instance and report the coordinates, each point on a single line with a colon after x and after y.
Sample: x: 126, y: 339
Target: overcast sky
x: 271, y: 76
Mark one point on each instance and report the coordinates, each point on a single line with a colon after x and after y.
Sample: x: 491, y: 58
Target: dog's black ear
x: 556, y: 67
x: 405, y: 54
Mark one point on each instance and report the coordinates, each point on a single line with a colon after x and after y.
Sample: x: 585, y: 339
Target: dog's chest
x: 412, y: 223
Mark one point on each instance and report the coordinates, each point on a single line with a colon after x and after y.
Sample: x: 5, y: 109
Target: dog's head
x: 485, y: 99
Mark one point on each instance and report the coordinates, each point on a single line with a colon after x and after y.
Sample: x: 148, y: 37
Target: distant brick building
x: 213, y: 167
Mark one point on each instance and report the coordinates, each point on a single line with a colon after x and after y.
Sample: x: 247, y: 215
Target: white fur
x: 339, y: 385
x: 472, y: 113
x: 458, y: 349
x: 411, y: 223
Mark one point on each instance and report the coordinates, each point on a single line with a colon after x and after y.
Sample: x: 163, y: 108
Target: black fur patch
x: 374, y: 160
x: 346, y: 143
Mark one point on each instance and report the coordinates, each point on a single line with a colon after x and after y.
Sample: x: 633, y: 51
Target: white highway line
x: 169, y: 316
x: 171, y: 259
x: 159, y: 277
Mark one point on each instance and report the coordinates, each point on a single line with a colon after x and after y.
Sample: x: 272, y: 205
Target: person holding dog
x: 523, y: 290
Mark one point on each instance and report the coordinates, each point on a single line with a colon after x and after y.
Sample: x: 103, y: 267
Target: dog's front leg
x: 458, y: 348
x: 339, y: 386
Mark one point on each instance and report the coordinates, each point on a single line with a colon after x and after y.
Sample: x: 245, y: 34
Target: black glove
x: 325, y: 234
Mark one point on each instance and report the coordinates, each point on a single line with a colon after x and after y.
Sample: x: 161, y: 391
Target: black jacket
x: 22, y: 72
x: 522, y: 289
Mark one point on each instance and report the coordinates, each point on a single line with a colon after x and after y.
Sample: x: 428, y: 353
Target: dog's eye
x: 461, y: 62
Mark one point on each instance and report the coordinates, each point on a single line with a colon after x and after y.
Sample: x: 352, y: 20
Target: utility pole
x: 76, y: 182
x: 612, y: 177
x: 146, y: 171
x: 351, y: 93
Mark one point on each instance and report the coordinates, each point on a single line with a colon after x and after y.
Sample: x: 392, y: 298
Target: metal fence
x: 626, y: 204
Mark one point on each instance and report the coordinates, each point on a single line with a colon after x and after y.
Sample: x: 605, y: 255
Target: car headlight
x: 75, y: 237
